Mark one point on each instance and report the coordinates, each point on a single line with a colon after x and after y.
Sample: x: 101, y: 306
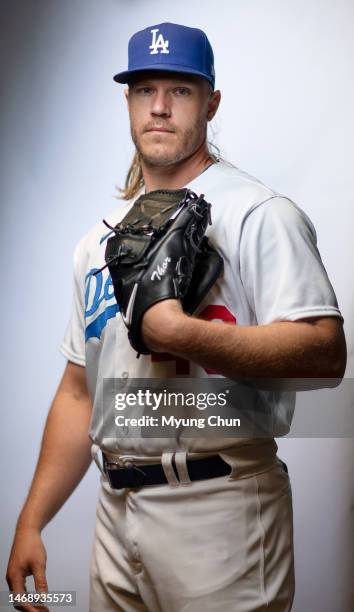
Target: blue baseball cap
x: 169, y: 47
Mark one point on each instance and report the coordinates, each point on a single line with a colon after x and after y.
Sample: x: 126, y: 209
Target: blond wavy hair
x: 134, y: 181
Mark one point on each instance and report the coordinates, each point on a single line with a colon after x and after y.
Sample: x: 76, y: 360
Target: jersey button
x: 125, y: 374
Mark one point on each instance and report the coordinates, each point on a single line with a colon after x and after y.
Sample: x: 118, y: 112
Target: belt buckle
x: 136, y: 476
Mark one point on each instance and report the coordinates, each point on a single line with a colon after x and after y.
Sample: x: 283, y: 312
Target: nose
x: 160, y: 104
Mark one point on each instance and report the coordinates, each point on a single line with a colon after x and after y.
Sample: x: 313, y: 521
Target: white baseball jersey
x: 272, y: 272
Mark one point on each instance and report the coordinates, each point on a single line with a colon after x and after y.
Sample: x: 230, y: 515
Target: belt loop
x: 94, y: 454
x: 166, y: 461
x: 232, y: 462
x: 181, y: 465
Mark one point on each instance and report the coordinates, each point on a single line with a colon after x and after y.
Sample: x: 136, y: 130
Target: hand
x: 28, y: 557
x: 160, y: 322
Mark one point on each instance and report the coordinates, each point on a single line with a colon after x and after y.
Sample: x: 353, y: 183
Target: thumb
x: 40, y: 583
x: 40, y: 580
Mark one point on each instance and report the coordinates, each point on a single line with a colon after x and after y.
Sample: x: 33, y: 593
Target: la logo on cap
x: 190, y: 52
x: 158, y: 43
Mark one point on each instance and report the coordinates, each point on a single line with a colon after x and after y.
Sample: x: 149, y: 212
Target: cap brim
x: 124, y: 77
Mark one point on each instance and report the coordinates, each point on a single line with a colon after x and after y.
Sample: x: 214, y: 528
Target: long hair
x: 134, y: 181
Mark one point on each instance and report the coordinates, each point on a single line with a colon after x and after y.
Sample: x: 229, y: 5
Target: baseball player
x: 183, y: 524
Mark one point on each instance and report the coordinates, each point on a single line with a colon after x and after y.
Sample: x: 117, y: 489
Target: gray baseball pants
x: 218, y: 545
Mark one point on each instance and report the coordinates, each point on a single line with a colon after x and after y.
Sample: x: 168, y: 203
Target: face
x: 169, y: 115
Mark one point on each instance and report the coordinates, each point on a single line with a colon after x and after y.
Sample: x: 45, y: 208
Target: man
x: 213, y: 528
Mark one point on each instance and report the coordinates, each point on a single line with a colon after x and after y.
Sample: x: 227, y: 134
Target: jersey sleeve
x: 73, y: 344
x: 280, y: 265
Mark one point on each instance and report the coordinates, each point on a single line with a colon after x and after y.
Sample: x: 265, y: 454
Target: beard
x: 187, y: 142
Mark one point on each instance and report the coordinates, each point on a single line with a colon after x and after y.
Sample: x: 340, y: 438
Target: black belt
x: 142, y: 475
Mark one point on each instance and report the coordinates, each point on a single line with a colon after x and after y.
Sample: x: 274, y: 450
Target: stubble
x: 188, y: 142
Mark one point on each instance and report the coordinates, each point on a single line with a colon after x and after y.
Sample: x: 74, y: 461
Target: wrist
x: 26, y: 523
x: 27, y: 528
x: 176, y: 334
x: 161, y: 325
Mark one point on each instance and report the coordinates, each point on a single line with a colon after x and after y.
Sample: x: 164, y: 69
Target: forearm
x: 64, y: 458
x: 279, y: 350
x: 276, y: 351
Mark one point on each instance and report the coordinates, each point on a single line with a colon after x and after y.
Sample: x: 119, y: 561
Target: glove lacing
x: 148, y: 228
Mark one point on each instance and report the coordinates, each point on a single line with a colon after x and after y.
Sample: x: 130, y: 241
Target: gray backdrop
x: 285, y: 71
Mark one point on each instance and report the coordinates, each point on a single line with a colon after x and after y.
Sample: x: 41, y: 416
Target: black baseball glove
x: 159, y: 251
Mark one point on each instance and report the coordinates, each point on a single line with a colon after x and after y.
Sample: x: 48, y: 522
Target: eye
x: 144, y: 90
x: 182, y: 91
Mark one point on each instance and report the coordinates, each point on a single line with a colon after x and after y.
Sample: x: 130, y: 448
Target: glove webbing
x: 124, y: 229
x: 148, y: 228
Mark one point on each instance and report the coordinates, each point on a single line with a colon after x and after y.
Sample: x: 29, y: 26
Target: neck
x: 177, y: 175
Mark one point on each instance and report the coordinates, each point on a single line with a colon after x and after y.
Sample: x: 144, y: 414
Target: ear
x: 213, y: 104
x: 126, y: 93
